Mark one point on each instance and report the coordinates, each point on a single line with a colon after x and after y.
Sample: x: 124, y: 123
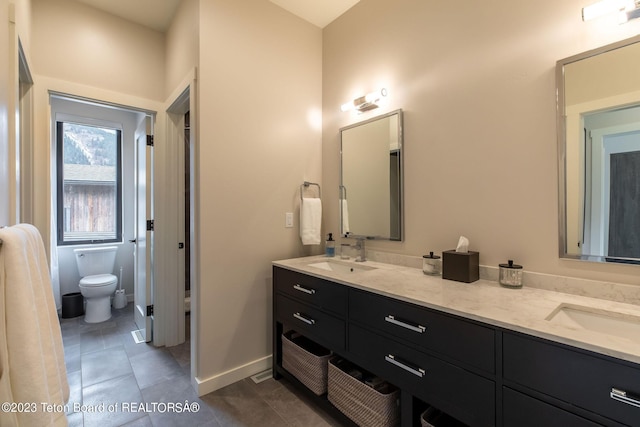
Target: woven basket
x: 435, y: 418
x: 305, y: 360
x: 429, y: 416
x: 362, y: 404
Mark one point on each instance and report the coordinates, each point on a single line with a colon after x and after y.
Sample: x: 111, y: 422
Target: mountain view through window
x: 89, y: 189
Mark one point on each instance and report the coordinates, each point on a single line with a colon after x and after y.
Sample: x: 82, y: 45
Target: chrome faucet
x: 360, y: 247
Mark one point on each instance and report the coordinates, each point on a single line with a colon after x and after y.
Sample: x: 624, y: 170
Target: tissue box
x: 461, y: 266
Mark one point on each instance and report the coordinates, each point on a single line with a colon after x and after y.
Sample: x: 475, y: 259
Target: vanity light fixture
x: 627, y: 9
x: 601, y: 8
x: 631, y: 11
x: 366, y: 102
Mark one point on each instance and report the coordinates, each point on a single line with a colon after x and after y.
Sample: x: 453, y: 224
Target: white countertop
x: 523, y: 310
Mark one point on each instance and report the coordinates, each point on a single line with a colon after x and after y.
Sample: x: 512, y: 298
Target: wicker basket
x: 364, y: 405
x: 305, y: 360
x: 435, y: 418
x: 429, y: 416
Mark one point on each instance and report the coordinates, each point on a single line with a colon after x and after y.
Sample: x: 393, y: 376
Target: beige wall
x: 259, y: 139
x: 23, y: 22
x: 80, y: 44
x: 477, y: 87
x: 181, y: 47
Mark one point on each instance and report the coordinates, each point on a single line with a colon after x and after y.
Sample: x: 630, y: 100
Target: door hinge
x: 150, y: 140
x: 150, y: 225
x: 150, y: 310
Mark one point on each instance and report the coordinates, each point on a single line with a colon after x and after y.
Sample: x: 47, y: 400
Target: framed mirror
x: 371, y: 171
x: 599, y: 153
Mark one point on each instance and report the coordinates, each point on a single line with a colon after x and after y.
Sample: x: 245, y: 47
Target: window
x: 89, y: 184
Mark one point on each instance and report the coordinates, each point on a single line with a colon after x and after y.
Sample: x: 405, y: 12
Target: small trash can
x: 72, y: 305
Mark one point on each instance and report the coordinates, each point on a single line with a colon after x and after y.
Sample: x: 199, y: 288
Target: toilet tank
x: 99, y: 260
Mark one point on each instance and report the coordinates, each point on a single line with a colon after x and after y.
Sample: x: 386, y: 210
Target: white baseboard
x: 205, y: 386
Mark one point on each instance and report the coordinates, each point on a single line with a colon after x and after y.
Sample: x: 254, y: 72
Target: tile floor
x: 106, y: 369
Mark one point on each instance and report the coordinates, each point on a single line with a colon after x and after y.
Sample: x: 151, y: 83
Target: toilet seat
x: 98, y: 280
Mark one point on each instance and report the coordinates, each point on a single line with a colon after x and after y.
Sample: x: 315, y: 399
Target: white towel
x: 345, y: 216
x: 32, y: 367
x: 310, y: 221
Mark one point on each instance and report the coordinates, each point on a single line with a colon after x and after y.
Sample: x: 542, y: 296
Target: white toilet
x: 97, y: 284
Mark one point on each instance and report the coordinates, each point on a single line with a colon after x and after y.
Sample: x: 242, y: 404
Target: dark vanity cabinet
x: 314, y: 307
x: 539, y: 374
x: 479, y: 374
x: 437, y: 358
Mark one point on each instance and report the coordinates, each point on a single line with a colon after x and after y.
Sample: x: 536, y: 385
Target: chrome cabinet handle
x: 304, y: 319
x: 625, y: 397
x: 416, y: 328
x: 305, y: 290
x: 419, y: 372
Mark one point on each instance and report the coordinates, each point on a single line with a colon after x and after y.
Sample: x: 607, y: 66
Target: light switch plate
x: 288, y: 220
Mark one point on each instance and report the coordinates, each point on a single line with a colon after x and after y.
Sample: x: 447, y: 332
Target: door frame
x: 20, y: 128
x: 182, y: 99
x: 65, y: 90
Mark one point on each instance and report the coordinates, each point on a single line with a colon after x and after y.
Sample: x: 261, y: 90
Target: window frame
x: 59, y: 123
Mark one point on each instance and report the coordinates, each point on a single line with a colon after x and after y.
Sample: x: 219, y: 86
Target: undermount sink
x: 341, y: 267
x: 597, y: 320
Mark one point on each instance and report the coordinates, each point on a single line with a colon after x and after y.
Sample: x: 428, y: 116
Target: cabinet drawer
x: 450, y: 336
x: 580, y: 379
x: 521, y: 410
x: 317, y: 325
x: 312, y: 290
x: 462, y: 394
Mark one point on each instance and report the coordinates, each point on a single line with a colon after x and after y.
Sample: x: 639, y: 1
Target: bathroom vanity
x: 485, y: 355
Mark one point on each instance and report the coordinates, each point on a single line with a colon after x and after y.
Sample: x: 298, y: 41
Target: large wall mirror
x: 599, y: 153
x: 371, y: 178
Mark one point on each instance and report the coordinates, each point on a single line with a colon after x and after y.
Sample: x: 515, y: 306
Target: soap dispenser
x: 330, y: 246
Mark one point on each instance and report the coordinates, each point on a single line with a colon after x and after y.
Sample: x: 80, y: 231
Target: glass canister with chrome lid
x: 431, y: 264
x: 510, y: 275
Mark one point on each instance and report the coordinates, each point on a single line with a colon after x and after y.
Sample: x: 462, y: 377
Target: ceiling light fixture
x: 366, y: 102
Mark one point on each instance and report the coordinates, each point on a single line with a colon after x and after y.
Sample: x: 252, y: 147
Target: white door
x: 143, y: 254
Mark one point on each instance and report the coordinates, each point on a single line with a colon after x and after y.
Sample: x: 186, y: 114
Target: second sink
x: 597, y: 320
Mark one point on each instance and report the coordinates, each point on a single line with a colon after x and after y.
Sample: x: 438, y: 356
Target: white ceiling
x: 157, y: 14
x: 318, y: 12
